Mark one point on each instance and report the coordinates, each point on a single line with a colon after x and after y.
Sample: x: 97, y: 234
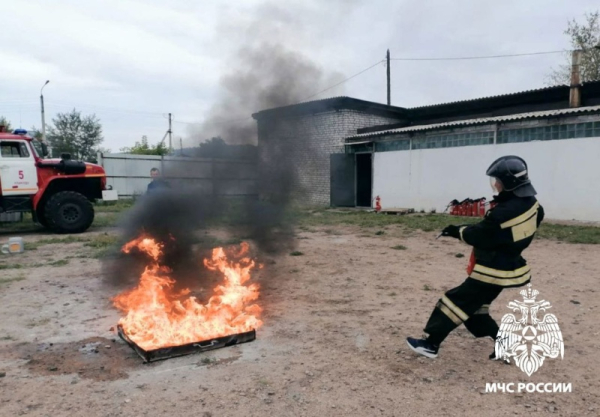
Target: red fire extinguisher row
x: 468, y: 207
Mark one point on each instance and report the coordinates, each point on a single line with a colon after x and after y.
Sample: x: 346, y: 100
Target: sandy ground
x: 332, y: 344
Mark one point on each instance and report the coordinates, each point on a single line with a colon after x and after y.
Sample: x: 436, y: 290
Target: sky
x: 132, y: 62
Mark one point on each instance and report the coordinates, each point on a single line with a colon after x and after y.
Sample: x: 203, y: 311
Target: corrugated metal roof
x: 481, y: 121
x: 534, y: 90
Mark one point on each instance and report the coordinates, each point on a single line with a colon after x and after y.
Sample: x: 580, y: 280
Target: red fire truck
x: 58, y: 192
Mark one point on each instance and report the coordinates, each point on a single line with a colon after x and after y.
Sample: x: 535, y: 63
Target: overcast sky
x: 132, y: 62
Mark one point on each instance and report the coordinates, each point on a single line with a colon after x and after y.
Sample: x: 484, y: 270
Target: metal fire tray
x: 188, y: 349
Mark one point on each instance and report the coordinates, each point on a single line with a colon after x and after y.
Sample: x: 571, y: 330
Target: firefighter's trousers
x: 468, y: 303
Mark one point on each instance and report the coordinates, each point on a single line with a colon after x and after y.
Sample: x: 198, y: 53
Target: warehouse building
x: 424, y: 157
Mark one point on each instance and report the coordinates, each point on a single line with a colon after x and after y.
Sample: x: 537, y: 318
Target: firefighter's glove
x: 452, y: 231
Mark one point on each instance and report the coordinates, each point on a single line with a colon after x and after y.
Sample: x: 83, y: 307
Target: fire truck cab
x: 58, y: 192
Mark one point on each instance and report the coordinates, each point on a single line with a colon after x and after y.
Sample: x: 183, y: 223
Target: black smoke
x: 263, y: 75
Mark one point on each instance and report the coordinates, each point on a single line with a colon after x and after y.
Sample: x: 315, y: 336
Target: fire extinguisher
x: 462, y: 207
x: 467, y: 209
x: 471, y: 264
x: 482, y: 204
x: 377, y: 204
x: 475, y: 208
x: 451, y: 208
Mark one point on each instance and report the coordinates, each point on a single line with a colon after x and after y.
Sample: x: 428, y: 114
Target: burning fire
x: 157, y: 316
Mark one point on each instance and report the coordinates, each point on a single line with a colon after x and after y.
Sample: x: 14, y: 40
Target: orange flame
x: 156, y: 316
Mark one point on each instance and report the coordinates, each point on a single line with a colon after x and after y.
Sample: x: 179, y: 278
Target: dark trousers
x: 468, y: 303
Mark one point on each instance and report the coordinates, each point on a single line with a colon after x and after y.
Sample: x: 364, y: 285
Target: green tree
x: 213, y: 148
x: 4, y: 122
x: 584, y: 36
x: 144, y: 148
x: 74, y: 134
x: 35, y: 133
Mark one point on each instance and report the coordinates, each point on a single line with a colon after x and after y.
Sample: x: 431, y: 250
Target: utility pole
x: 170, y: 131
x: 43, y: 116
x: 389, y: 94
x: 575, y: 93
x: 181, y: 146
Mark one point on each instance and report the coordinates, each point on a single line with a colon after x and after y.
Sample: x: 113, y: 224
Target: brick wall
x: 308, y: 140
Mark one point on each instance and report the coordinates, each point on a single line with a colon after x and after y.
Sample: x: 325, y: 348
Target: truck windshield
x: 37, y: 148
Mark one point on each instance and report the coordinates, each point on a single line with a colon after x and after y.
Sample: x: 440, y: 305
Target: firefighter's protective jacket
x: 498, y: 240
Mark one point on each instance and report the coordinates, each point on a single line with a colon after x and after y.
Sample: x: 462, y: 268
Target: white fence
x: 564, y: 173
x: 130, y: 174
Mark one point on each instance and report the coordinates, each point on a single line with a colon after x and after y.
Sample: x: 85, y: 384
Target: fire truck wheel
x: 69, y: 212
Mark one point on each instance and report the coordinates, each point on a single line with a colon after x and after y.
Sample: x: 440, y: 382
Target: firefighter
x: 496, y: 262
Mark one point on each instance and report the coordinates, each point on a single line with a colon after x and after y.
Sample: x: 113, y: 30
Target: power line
x: 102, y: 109
x: 343, y: 81
x: 477, y: 57
x: 305, y: 99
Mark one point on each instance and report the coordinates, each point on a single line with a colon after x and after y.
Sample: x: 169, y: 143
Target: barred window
x: 554, y: 132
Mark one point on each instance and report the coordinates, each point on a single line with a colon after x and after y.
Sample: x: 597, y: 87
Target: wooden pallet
x: 397, y: 211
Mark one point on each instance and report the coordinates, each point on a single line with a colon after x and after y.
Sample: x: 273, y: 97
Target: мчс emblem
x: 528, y: 339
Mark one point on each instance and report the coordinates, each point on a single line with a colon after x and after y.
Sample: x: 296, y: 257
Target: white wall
x: 565, y: 173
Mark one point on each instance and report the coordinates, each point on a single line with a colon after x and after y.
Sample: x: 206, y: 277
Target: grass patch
x: 399, y: 247
x: 459, y: 255
x: 430, y: 223
x: 569, y: 234
x: 425, y: 222
x: 427, y: 288
x: 14, y: 279
x: 101, y: 241
x: 54, y: 241
x: 379, y: 233
x: 104, y: 245
x: 296, y: 253
x: 114, y: 206
x: 11, y: 266
x: 106, y: 220
x: 392, y: 294
x: 60, y: 262
x: 36, y: 323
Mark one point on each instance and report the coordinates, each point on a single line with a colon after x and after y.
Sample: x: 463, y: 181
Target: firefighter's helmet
x: 511, y: 171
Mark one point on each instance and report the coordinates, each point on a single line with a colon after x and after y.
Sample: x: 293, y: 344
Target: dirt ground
x: 332, y: 344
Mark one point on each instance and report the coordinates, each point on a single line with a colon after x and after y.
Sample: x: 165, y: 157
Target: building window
x: 394, y: 145
x: 457, y: 139
x: 568, y: 131
x: 565, y: 131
